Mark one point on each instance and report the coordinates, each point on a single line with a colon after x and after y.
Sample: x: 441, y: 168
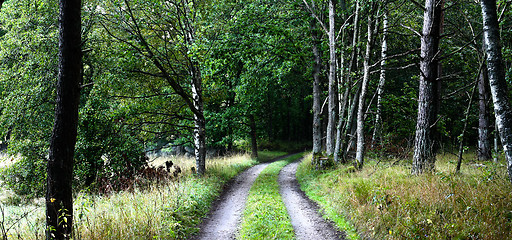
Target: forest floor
x: 225, y: 217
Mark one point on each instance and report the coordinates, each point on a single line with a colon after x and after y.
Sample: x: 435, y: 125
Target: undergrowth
x: 265, y: 215
x: 170, y: 210
x: 384, y: 201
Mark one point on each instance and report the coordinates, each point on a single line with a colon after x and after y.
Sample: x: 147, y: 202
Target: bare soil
x: 306, y: 219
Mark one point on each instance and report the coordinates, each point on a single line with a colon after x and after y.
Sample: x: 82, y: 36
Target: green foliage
x: 265, y: 216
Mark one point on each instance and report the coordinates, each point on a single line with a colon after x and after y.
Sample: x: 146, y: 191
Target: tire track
x: 305, y: 217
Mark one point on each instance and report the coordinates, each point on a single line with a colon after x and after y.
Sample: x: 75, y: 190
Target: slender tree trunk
x: 424, y: 149
x: 461, y: 138
x: 362, y: 98
x: 254, y: 140
x: 341, y: 110
x: 349, y: 130
x: 333, y: 89
x: 502, y: 108
x: 317, y: 102
x: 377, y: 135
x: 199, y: 119
x: 59, y: 198
x: 484, y: 141
x: 199, y: 128
x: 197, y: 98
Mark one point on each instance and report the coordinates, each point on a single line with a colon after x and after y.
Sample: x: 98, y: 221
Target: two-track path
x: 225, y: 216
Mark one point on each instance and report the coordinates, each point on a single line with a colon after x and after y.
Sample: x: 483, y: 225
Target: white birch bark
x: 498, y: 86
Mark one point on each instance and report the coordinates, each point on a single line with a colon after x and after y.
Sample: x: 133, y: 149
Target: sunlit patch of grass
x: 385, y: 201
x: 265, y: 215
x: 170, y: 210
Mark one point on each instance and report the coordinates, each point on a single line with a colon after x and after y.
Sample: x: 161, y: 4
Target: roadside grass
x: 171, y: 210
x: 265, y: 215
x: 384, y: 201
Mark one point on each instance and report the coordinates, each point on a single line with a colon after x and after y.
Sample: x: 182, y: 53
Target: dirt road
x: 306, y: 219
x: 225, y: 217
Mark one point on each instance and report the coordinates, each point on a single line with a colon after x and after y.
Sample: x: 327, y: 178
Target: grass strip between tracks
x: 265, y: 215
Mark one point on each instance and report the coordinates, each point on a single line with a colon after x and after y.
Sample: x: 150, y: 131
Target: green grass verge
x: 265, y: 215
x: 385, y: 201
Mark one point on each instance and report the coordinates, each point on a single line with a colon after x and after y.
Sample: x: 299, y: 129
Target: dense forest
x: 91, y: 90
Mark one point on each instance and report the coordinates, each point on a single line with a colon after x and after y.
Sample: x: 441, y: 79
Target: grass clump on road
x: 385, y: 201
x: 265, y: 215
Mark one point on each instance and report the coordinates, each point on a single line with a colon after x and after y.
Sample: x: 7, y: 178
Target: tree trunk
x: 376, y: 138
x: 424, y: 149
x: 59, y: 198
x: 484, y: 141
x: 199, y: 120
x: 461, y: 137
x: 348, y: 140
x: 362, y: 98
x: 333, y: 88
x: 341, y: 110
x: 254, y: 140
x: 197, y: 100
x: 317, y: 102
x: 502, y: 108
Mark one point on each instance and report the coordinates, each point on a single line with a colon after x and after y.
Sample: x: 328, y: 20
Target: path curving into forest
x: 305, y: 216
x: 226, y: 212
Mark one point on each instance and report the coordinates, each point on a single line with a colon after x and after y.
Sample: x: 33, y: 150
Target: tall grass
x: 170, y: 210
x: 265, y: 215
x: 385, y: 201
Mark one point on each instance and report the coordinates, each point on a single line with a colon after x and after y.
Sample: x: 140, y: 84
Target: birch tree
x: 362, y: 98
x: 498, y: 85
x: 333, y: 87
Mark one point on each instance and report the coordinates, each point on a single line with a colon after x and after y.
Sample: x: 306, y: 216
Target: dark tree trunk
x: 333, y: 88
x: 254, y: 140
x: 495, y: 71
x: 424, y: 145
x: 484, y: 130
x: 59, y: 201
x: 317, y: 102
